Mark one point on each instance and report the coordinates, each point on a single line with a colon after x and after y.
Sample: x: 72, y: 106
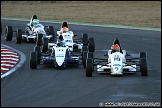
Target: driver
x: 115, y: 48
x: 116, y: 41
x: 34, y: 24
x: 60, y: 41
x: 116, y: 51
x: 64, y: 30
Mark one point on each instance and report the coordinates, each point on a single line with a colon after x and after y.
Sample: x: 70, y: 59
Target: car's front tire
x: 89, y: 67
x: 33, y: 60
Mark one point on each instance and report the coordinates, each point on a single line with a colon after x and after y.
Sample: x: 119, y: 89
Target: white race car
x: 59, y: 57
x: 28, y: 36
x: 74, y: 44
x: 116, y: 66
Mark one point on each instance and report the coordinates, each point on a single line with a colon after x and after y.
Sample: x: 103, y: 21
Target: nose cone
x: 60, y: 60
x: 60, y: 55
x: 116, y: 70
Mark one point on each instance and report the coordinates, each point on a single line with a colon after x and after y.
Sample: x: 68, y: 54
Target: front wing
x: 107, y: 68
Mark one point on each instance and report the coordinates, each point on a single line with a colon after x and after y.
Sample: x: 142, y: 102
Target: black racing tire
x: 84, y: 58
x: 142, y: 55
x: 9, y: 33
x: 51, y: 32
x: 91, y: 45
x: 89, y: 67
x: 85, y: 43
x: 38, y: 50
x: 143, y: 67
x: 39, y: 39
x: 19, y: 36
x: 90, y: 55
x: 84, y: 38
x: 75, y: 48
x: 33, y: 60
x: 84, y: 48
x: 45, y: 45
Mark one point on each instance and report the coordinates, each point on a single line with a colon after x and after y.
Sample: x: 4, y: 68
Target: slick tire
x: 33, y: 60
x: 89, y: 67
x: 38, y: 50
x: 45, y: 45
x: 84, y: 38
x: 19, y: 36
x: 9, y: 33
x: 39, y: 39
x: 84, y: 58
x: 91, y: 45
x: 143, y: 67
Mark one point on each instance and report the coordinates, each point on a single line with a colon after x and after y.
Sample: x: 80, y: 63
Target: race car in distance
x: 75, y: 45
x: 115, y: 65
x: 33, y: 33
x: 60, y: 57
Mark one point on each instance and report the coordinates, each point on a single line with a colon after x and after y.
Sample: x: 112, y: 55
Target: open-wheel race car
x: 116, y: 63
x: 117, y: 67
x: 71, y: 40
x: 33, y: 31
x: 59, y: 57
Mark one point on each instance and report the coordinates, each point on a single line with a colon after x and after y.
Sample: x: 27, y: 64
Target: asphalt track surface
x: 47, y: 86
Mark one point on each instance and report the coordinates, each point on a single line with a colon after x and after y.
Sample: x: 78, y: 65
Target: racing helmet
x: 65, y: 29
x: 35, y: 22
x: 115, y: 48
x: 60, y: 37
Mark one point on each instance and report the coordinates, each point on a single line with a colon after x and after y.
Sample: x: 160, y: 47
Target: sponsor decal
x: 116, y: 68
x: 59, y: 56
x: 116, y: 65
x: 68, y: 41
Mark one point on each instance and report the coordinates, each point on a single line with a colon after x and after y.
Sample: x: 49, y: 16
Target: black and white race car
x: 74, y: 42
x: 60, y: 57
x: 114, y: 64
x: 28, y: 35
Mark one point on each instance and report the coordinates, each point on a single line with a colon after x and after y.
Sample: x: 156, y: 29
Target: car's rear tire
x: 143, y: 67
x: 90, y: 55
x: 142, y: 55
x: 45, y: 45
x: 84, y: 38
x: 84, y: 48
x: 91, y: 45
x: 19, y: 36
x: 33, y: 60
x: 39, y: 39
x: 75, y: 48
x: 51, y: 31
x: 38, y: 50
x: 89, y: 67
x: 9, y: 33
x: 84, y: 58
